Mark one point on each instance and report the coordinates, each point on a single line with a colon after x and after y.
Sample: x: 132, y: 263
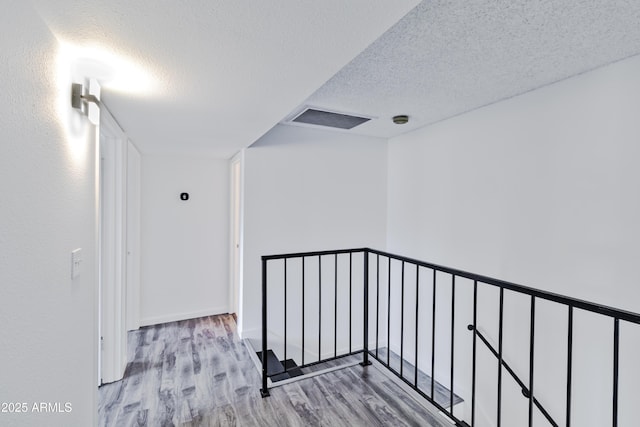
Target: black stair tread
x: 292, y: 368
x: 280, y: 377
x: 295, y: 372
x: 278, y: 370
x: 289, y: 363
x: 274, y: 366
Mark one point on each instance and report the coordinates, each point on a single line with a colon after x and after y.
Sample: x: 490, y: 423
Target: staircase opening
x: 445, y: 333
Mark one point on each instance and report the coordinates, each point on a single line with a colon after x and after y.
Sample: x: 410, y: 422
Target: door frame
x: 236, y: 232
x: 112, y: 285
x: 133, y: 242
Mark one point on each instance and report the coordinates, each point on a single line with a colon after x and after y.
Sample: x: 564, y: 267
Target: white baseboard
x: 174, y: 317
x: 253, y: 333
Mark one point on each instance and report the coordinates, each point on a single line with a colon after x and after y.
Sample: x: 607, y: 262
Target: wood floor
x: 198, y: 373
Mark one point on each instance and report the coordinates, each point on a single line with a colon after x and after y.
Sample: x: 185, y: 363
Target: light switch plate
x: 76, y: 262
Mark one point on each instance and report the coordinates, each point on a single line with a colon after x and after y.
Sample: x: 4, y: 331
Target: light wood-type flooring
x: 198, y: 373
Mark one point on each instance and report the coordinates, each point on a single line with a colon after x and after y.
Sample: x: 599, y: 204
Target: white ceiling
x: 219, y: 74
x: 447, y: 57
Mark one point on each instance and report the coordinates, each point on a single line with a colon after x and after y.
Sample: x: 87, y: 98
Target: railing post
x: 365, y: 358
x: 474, y: 351
x: 616, y: 356
x: 532, y: 341
x: 265, y: 390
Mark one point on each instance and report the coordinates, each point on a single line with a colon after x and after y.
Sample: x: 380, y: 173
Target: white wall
x: 184, y: 244
x: 542, y: 190
x: 48, y: 208
x: 307, y: 190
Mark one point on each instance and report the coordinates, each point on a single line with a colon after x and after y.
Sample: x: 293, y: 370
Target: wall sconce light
x: 87, y: 103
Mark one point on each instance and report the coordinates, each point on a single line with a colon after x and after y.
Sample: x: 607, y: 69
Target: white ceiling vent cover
x: 314, y: 116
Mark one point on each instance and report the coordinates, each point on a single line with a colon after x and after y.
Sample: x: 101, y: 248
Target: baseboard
x: 174, y: 317
x: 253, y: 333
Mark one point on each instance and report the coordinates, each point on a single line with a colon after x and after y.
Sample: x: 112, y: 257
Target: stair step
x: 278, y: 370
x: 274, y: 366
x: 292, y: 368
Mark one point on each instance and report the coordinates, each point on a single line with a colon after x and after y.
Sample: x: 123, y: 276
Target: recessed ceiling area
x: 445, y: 58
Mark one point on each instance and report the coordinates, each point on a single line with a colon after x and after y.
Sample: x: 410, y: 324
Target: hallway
x: 198, y: 373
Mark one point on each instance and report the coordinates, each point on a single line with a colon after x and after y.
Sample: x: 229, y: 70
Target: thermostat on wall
x: 184, y: 196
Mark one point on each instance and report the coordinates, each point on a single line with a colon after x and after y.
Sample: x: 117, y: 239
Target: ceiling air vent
x: 325, y: 118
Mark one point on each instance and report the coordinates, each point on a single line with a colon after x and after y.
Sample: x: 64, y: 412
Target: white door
x: 112, y: 247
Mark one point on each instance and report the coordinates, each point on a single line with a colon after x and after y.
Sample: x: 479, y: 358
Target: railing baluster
x: 350, y: 303
x: 365, y: 359
x: 569, y: 362
x: 415, y: 381
x: 319, y: 308
x: 303, y: 258
x: 473, y: 368
x: 401, y: 319
x: 377, y: 301
x: 285, y: 315
x: 265, y: 390
x: 531, y: 357
x: 388, y: 311
x: 453, y: 319
x: 335, y: 307
x: 433, y: 337
x: 616, y: 357
x: 500, y: 324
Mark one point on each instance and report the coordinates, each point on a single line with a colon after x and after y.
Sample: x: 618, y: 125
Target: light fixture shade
x: 94, y: 88
x: 93, y: 110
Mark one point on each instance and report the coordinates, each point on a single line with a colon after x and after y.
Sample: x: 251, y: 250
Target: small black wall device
x: 184, y: 196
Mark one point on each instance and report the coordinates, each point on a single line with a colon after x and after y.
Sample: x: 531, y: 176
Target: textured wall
x: 48, y: 208
x: 308, y: 190
x: 541, y: 190
x: 185, y: 244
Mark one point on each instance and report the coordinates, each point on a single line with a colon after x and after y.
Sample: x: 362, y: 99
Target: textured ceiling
x: 216, y: 74
x: 448, y: 57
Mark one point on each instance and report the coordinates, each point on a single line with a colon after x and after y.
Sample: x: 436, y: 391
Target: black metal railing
x: 516, y: 378
x: 419, y: 312
x: 315, y: 281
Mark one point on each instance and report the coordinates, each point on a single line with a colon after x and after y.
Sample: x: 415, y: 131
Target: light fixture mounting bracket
x: 78, y: 97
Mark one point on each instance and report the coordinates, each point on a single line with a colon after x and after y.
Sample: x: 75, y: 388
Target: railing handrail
x: 551, y: 296
x: 314, y: 253
x: 562, y: 299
